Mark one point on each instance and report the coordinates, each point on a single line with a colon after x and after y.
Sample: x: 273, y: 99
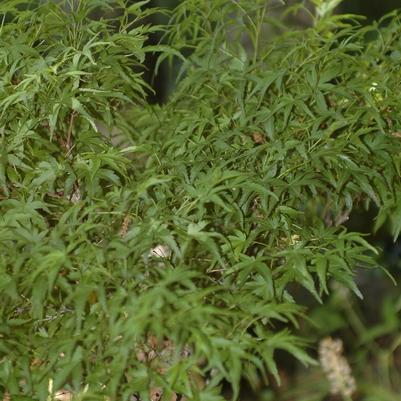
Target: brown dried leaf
x: 36, y: 362
x: 258, y: 138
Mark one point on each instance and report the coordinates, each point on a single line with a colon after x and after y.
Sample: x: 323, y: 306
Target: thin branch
x: 69, y: 132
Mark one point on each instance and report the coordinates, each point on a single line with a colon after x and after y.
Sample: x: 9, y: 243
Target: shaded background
x: 372, y: 9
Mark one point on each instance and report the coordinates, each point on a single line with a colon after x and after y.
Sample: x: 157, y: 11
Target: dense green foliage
x: 189, y: 230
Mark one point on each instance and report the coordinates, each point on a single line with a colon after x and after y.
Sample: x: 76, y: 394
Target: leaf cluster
x: 244, y: 179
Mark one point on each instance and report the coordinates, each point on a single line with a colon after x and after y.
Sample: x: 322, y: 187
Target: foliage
x: 170, y: 247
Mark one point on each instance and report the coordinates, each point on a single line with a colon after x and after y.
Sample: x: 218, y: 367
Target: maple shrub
x: 163, y: 251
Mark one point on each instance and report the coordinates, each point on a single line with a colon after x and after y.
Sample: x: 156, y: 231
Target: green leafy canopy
x: 187, y: 229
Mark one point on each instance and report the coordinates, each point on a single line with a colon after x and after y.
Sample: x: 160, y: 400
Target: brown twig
x: 69, y: 132
x: 125, y: 226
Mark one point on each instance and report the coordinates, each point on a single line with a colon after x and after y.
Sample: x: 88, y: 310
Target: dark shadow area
x: 370, y: 8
